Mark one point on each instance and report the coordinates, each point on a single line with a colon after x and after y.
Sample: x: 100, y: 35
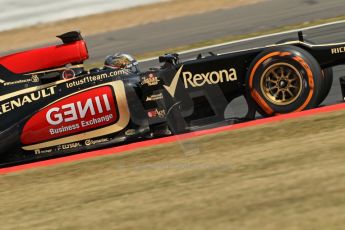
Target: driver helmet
x: 121, y: 61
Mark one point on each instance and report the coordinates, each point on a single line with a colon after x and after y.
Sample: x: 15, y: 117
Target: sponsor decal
x: 130, y: 132
x: 150, y: 80
x: 36, y: 130
x: 89, y: 142
x: 75, y: 111
x: 68, y: 146
x: 93, y: 78
x: 199, y: 80
x: 210, y: 78
x: 156, y: 113
x: 35, y: 78
x: 68, y: 74
x: 173, y: 85
x: 21, y: 81
x: 84, y: 111
x: 338, y: 50
x: 26, y: 99
x: 155, y: 97
x: 42, y: 151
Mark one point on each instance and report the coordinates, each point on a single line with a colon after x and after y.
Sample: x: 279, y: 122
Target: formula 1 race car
x: 51, y: 106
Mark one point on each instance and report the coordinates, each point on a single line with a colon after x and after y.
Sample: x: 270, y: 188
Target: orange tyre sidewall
x: 261, y: 101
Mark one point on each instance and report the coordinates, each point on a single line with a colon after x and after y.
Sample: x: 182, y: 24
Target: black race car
x: 52, y: 106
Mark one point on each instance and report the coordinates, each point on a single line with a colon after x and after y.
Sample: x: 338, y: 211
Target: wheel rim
x: 281, y: 84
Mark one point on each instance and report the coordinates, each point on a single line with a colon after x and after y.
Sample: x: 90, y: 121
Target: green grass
x: 284, y: 175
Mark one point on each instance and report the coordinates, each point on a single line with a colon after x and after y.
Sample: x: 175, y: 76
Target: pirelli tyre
x: 327, y: 73
x: 284, y: 79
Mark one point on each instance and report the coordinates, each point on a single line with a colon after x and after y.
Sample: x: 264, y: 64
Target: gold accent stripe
x: 328, y: 45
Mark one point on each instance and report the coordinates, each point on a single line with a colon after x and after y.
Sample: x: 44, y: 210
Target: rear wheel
x: 284, y: 79
x: 327, y: 73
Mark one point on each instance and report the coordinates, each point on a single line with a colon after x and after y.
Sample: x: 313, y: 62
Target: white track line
x: 251, y: 39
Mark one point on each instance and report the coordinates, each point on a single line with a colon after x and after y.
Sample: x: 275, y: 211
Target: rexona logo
x: 85, y: 111
x: 210, y: 78
x: 192, y: 80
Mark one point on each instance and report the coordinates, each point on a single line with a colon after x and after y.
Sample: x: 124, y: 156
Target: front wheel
x: 284, y: 79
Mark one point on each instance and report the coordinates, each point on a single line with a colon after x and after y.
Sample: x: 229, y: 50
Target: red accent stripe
x: 124, y: 148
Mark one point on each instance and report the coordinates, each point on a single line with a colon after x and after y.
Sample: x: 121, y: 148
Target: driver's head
x: 121, y: 61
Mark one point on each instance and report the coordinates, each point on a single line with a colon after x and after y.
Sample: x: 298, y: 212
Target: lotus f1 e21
x: 51, y: 106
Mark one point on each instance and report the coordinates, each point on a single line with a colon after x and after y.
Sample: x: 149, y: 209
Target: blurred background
x: 21, y: 13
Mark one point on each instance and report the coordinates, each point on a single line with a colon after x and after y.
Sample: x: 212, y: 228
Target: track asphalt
x: 213, y: 25
x: 242, y: 20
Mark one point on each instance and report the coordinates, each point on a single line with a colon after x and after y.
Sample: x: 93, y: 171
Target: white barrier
x: 21, y: 13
